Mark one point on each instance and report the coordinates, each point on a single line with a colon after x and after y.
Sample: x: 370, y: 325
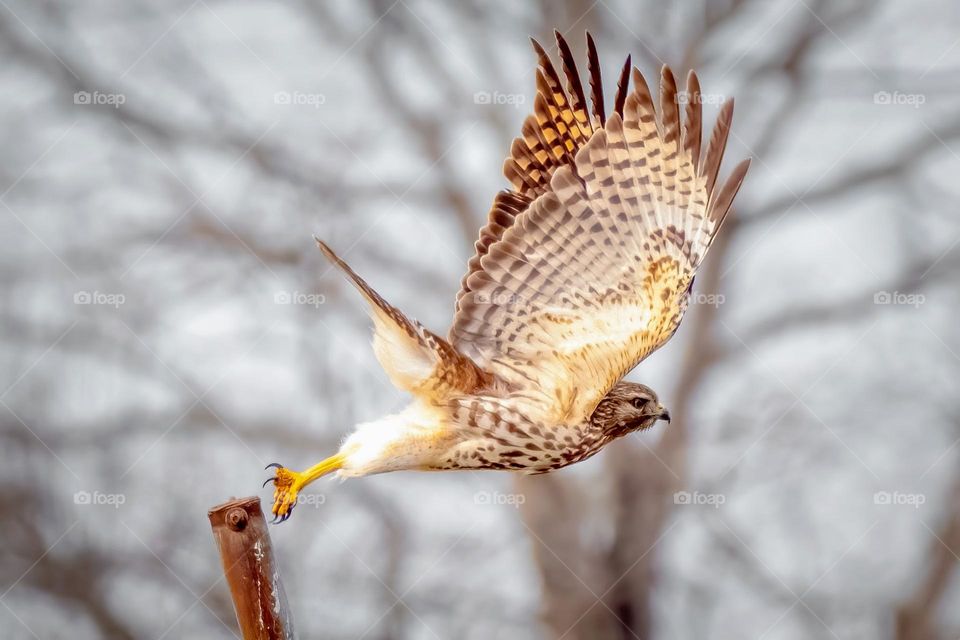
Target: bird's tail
x: 415, y: 359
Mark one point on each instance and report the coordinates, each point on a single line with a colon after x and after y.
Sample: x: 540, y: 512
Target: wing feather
x: 710, y: 166
x: 578, y: 101
x: 693, y: 119
x: 596, y: 83
x: 623, y: 87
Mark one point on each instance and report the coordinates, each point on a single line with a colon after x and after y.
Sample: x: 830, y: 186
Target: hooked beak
x: 664, y: 415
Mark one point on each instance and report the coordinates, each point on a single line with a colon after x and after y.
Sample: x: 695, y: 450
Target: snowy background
x: 168, y: 326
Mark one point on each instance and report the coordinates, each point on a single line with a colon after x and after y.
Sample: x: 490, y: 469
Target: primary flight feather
x: 583, y: 269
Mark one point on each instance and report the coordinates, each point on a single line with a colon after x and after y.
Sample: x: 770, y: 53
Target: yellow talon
x: 287, y: 484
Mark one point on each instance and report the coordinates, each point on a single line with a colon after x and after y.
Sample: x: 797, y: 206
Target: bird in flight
x: 584, y: 268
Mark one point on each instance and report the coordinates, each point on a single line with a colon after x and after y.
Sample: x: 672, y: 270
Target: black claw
x: 281, y: 519
x: 273, y: 480
x: 276, y: 465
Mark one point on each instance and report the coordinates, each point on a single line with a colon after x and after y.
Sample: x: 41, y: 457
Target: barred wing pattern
x: 568, y: 295
x: 551, y: 135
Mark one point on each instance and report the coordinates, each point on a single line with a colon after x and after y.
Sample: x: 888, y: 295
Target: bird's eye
x: 638, y: 403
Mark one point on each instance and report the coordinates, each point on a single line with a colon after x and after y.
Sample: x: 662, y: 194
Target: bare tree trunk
x: 575, y: 576
x: 916, y: 619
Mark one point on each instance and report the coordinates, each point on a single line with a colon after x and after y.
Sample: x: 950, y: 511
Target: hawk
x: 584, y: 268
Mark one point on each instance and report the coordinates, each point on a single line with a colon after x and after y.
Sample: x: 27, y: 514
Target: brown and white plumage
x: 583, y: 269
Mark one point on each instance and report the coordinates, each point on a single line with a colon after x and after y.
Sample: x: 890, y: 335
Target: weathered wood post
x: 258, y: 597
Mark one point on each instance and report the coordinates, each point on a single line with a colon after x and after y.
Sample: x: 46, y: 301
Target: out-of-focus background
x: 168, y: 326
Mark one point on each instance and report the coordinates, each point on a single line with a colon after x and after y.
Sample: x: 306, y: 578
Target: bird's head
x: 628, y: 407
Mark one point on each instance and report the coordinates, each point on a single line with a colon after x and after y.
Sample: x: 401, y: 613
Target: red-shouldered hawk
x: 583, y: 269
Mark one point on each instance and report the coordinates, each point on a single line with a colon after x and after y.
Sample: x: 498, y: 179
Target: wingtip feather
x: 596, y: 82
x: 623, y: 87
x: 693, y: 119
x: 721, y: 204
x: 327, y: 251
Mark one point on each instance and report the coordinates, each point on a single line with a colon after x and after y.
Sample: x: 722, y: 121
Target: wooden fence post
x: 258, y: 597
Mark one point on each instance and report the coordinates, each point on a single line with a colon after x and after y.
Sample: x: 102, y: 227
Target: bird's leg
x: 287, y: 483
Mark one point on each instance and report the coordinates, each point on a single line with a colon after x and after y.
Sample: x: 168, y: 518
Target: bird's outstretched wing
x: 585, y: 268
